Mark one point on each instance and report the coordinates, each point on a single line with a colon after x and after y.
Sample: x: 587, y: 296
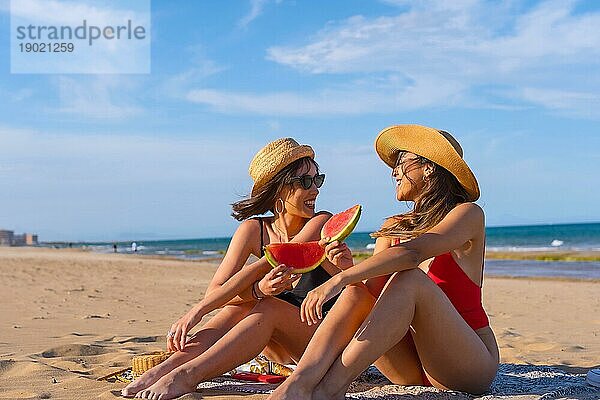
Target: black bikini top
x: 309, y: 280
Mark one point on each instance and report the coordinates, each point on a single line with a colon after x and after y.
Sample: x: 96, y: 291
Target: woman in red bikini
x: 427, y: 325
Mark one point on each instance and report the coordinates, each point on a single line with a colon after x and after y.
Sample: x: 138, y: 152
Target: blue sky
x: 162, y: 155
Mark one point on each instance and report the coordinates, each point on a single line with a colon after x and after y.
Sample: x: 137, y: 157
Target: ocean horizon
x: 546, y: 237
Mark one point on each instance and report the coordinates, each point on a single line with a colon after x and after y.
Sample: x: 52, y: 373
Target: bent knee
x: 358, y: 291
x: 413, y: 277
x: 358, y: 294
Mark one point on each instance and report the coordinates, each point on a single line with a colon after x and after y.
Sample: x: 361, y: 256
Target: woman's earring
x: 282, y: 205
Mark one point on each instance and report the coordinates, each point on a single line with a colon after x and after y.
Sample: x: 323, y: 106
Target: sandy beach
x: 69, y: 317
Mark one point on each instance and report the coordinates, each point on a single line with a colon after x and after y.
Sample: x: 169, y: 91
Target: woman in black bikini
x: 261, y: 311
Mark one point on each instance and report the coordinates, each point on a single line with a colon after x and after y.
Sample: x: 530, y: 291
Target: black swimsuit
x: 307, y: 282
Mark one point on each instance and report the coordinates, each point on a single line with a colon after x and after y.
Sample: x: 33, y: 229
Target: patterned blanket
x: 513, y: 381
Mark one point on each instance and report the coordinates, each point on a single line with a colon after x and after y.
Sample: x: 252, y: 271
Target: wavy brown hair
x: 441, y: 194
x: 267, y: 195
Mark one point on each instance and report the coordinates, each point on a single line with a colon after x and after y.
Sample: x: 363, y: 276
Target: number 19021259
x: 44, y: 47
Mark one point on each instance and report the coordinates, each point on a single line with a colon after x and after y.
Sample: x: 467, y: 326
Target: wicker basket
x: 143, y: 363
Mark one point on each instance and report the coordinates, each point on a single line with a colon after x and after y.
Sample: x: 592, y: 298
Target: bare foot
x: 321, y: 394
x: 170, y: 386
x: 291, y: 390
x: 144, y: 381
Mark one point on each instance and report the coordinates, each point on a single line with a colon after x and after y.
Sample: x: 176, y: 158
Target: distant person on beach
x: 114, y: 247
x: 134, y: 247
x: 425, y: 324
x: 260, y: 304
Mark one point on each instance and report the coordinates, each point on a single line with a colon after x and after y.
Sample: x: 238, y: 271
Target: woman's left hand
x: 311, y: 310
x: 337, y: 253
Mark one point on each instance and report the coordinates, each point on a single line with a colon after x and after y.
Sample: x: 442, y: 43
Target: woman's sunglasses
x: 306, y: 180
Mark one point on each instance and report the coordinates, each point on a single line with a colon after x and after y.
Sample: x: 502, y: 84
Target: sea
x: 547, y: 238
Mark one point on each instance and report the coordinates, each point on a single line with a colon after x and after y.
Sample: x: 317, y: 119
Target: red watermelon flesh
x: 302, y: 257
x: 341, y: 225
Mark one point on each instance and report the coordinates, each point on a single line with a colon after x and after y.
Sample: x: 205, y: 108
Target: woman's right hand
x: 277, y: 280
x: 338, y: 253
x: 177, y: 336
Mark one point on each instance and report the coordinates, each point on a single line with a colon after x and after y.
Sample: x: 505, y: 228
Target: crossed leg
x: 207, y: 336
x: 271, y: 319
x: 448, y: 349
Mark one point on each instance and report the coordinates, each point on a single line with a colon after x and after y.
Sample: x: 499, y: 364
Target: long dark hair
x: 267, y: 195
x: 440, y: 195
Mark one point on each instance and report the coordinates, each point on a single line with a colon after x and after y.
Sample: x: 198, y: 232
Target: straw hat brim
x: 429, y: 143
x: 273, y: 162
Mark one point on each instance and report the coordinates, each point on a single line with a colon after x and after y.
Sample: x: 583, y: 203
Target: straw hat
x: 435, y: 145
x: 273, y: 158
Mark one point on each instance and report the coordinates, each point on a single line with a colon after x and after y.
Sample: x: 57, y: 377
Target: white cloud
x: 582, y: 104
x: 201, y: 67
x: 22, y: 94
x: 256, y: 9
x: 16, y: 95
x: 360, y: 97
x: 98, y: 96
x: 467, y: 45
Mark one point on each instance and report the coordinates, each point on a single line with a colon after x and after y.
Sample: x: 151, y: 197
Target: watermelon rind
x: 347, y: 230
x: 274, y: 263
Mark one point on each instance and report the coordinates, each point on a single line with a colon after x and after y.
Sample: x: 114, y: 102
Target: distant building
x: 18, y: 240
x: 8, y: 238
x: 31, y: 239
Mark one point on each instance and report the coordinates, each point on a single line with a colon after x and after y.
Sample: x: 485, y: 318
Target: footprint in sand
x: 140, y: 339
x: 96, y: 316
x: 573, y: 349
x: 5, y: 365
x: 541, y: 346
x: 80, y: 334
x: 510, y: 333
x: 73, y: 350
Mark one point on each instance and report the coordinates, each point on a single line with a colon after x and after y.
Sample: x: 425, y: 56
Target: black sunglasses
x: 306, y: 180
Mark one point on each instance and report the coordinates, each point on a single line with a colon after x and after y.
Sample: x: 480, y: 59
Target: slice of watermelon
x: 341, y: 225
x: 301, y: 257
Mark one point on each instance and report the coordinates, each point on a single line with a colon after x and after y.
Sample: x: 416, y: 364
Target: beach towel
x: 513, y: 381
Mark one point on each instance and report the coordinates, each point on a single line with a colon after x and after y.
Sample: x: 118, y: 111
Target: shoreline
x: 557, y: 265
x: 559, y: 255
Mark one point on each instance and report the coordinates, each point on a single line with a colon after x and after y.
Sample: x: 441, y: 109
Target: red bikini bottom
x: 425, y: 379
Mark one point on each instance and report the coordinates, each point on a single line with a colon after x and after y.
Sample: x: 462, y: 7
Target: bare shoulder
x: 382, y: 243
x: 247, y: 229
x: 471, y: 212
